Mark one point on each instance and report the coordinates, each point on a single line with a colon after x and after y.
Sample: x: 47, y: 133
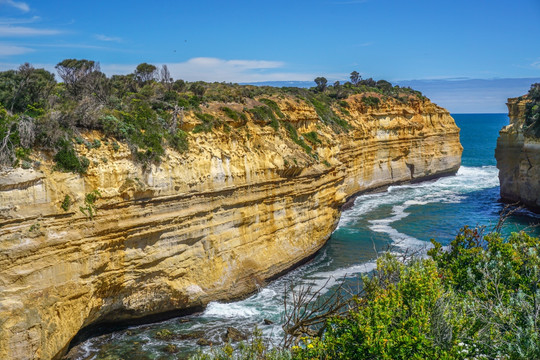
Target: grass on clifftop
x: 478, y: 299
x: 145, y: 109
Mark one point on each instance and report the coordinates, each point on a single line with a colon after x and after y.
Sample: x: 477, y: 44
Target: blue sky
x: 252, y: 41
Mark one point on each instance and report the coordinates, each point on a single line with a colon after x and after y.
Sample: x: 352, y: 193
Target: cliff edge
x: 246, y: 202
x: 518, y: 157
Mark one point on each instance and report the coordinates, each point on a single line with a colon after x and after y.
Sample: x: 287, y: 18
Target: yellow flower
x: 310, y: 346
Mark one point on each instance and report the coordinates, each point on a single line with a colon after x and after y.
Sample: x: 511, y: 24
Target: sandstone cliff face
x: 212, y: 223
x: 518, y: 160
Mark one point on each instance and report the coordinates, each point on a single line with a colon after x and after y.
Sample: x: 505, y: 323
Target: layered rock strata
x: 518, y: 159
x: 212, y: 223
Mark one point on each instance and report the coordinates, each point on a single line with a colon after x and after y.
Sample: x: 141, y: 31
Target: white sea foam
x: 450, y: 189
x: 323, y: 281
x: 229, y: 310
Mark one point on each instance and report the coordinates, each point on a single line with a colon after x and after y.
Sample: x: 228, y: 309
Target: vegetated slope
x: 126, y: 197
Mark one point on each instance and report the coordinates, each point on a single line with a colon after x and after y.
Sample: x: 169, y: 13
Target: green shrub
x: 312, y: 137
x: 207, y: 124
x: 22, y: 153
x: 179, y: 141
x: 254, y: 349
x: 230, y: 113
x: 89, y: 208
x: 478, y: 299
x: 393, y: 321
x: 66, y: 203
x: 321, y: 103
x: 371, y: 101
x: 293, y: 134
x: 274, y: 106
x: 67, y: 160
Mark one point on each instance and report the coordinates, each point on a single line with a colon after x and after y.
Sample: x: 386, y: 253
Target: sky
x: 424, y: 41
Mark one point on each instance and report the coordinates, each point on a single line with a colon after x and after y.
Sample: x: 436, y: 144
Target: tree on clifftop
x: 77, y: 74
x: 355, y: 77
x: 321, y: 83
x: 145, y: 72
x: 25, y: 86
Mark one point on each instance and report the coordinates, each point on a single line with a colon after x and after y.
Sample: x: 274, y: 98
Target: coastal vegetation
x: 145, y: 110
x: 476, y: 299
x: 532, y: 112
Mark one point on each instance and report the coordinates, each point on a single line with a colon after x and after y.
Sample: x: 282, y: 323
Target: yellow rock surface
x: 518, y: 159
x: 209, y: 224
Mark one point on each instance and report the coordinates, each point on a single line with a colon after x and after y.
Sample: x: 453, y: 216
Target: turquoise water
x: 404, y: 217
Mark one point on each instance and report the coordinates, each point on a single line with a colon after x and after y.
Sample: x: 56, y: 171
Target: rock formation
x: 518, y: 159
x: 212, y: 223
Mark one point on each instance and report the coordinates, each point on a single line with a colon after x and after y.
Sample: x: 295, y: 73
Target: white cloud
x: 536, y: 64
x: 11, y: 21
x: 214, y: 69
x: 16, y: 4
x: 16, y: 31
x: 9, y: 50
x: 107, y: 38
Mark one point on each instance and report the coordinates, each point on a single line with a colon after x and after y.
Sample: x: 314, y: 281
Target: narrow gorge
x: 243, y: 204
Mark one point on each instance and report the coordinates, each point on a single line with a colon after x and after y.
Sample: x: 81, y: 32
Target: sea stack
x: 518, y: 156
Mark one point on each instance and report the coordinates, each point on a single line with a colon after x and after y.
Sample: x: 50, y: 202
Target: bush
x: 89, y: 208
x: 230, y: 113
x: 293, y: 134
x: 67, y: 160
x: 66, y: 203
x: 207, y: 124
x: 478, y: 300
x: 274, y: 106
x: 254, y: 349
x: 179, y: 141
x: 312, y: 137
x: 324, y: 110
x: 371, y: 101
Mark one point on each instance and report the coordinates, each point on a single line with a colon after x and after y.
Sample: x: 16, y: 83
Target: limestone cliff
x: 518, y: 159
x: 212, y: 223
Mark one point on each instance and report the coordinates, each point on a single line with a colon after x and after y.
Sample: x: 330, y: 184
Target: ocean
x: 403, y: 218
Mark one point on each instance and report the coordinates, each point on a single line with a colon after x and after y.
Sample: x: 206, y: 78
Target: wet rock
x: 204, y: 342
x: 164, y: 334
x: 171, y: 348
x: 234, y: 335
x: 183, y: 321
x: 75, y: 353
x: 190, y: 335
x: 267, y: 322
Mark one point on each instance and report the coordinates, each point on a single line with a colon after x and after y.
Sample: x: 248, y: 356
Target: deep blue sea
x: 404, y: 217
